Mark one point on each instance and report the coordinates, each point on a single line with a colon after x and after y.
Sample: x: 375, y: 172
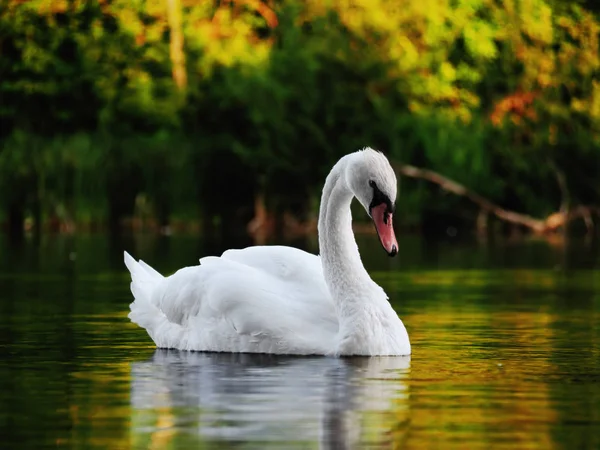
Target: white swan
x: 282, y: 300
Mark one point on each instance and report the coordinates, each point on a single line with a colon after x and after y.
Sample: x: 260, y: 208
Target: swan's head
x: 373, y: 182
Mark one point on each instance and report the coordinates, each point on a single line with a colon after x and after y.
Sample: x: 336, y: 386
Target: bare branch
x: 550, y: 224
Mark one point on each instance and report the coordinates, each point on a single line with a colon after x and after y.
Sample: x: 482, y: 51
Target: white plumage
x: 282, y: 300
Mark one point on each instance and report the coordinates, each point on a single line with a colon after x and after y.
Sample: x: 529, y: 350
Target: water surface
x: 506, y: 354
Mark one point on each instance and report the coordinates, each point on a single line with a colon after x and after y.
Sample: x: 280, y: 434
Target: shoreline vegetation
x: 188, y: 116
x: 264, y: 225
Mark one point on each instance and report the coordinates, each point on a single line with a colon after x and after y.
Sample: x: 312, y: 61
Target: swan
x: 282, y: 300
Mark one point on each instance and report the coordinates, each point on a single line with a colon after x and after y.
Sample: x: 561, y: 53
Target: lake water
x: 506, y: 354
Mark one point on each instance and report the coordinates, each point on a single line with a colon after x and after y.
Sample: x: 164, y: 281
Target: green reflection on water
x: 506, y: 344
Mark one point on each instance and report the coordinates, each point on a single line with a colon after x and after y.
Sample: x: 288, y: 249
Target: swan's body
x: 274, y: 299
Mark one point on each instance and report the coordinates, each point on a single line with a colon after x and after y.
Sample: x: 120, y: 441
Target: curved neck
x: 368, y: 325
x: 344, y: 272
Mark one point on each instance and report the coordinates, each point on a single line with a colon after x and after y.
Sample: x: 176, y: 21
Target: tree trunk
x: 176, y: 44
x: 260, y: 227
x: 36, y: 204
x: 16, y: 219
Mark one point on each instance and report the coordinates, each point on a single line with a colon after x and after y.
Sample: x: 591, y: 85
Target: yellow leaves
x: 537, y: 20
x: 403, y: 51
x: 155, y: 33
x: 595, y: 102
x: 467, y: 74
x: 416, y: 38
x: 545, y: 69
x: 584, y: 29
x: 43, y: 6
x: 579, y: 105
x: 538, y: 66
x: 479, y: 39
x: 516, y: 18
x: 447, y: 71
x: 226, y: 39
x: 578, y: 63
x: 130, y: 21
x: 590, y: 105
x: 553, y: 52
x: 586, y: 32
x: 157, y: 9
x: 377, y: 17
x: 142, y: 83
x: 364, y: 17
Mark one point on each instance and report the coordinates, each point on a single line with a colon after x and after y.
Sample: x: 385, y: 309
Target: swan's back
x: 284, y: 263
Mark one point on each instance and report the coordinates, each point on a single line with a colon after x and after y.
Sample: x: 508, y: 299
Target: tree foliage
x: 502, y: 95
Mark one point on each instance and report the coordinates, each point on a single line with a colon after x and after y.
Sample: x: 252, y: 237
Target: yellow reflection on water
x: 477, y: 380
x: 99, y: 415
x: 164, y: 429
x: 509, y: 278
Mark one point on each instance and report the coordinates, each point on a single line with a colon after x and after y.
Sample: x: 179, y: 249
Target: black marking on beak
x: 379, y: 198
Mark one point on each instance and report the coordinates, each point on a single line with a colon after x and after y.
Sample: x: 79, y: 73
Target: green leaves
x: 487, y: 92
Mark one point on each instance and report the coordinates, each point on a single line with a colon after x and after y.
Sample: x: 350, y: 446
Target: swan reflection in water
x: 188, y: 398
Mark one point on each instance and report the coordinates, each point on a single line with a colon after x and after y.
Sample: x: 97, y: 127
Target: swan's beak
x: 382, y: 217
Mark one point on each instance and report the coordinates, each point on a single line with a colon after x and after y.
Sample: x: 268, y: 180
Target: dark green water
x: 506, y: 354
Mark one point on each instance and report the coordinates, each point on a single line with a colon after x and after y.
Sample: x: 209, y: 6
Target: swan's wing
x: 232, y: 306
x: 298, y: 275
x: 284, y: 263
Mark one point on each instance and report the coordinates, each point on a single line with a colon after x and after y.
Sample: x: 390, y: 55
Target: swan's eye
x: 372, y: 183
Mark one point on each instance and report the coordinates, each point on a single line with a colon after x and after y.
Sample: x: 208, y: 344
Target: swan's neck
x: 344, y: 272
x: 368, y: 324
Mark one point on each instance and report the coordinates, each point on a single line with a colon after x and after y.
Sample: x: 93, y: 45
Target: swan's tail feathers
x: 144, y: 281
